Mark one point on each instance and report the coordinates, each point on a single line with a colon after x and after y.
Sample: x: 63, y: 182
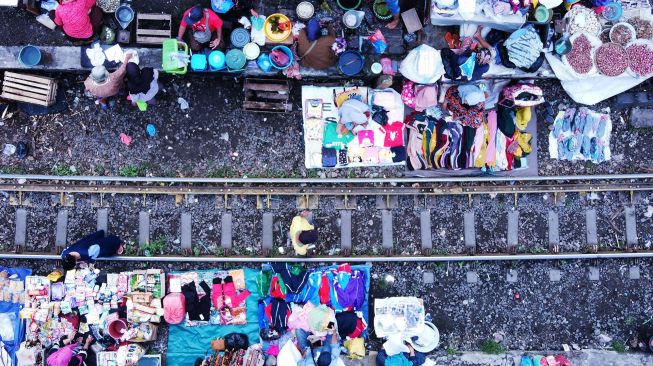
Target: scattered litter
x: 125, y: 139
x: 566, y: 347
x: 649, y: 212
x: 224, y: 136
x: 389, y: 278
x: 183, y: 104
x: 21, y: 150
x: 281, y: 250
x: 151, y: 130
x: 9, y: 149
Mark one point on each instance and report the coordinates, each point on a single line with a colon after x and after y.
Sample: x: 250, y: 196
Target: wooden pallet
x: 31, y: 89
x: 267, y: 96
x: 153, y: 28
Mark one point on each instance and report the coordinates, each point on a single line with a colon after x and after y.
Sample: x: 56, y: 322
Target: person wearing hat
x: 314, y: 49
x: 206, y: 28
x: 81, y: 20
x: 303, y: 233
x: 102, y: 84
x: 415, y: 358
x: 90, y: 248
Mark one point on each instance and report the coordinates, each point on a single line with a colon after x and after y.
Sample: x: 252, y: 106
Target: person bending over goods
x: 81, y: 20
x: 303, y: 233
x: 90, y: 248
x: 206, y: 28
x: 103, y: 84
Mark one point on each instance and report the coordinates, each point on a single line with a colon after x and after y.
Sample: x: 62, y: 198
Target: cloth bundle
x: 524, y: 47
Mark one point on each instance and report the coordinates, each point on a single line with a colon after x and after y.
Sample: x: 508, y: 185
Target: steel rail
x: 326, y: 190
x: 358, y: 259
x: 475, y: 179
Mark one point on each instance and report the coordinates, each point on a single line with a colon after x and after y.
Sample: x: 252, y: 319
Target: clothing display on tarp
x: 352, y: 127
x: 196, y: 307
x: 581, y: 134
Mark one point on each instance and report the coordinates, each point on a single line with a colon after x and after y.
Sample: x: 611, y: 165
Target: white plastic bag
x: 423, y: 65
x: 96, y: 55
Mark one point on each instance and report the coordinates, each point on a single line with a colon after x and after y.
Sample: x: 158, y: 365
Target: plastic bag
x: 236, y: 341
x: 378, y: 41
x: 221, y: 6
x: 423, y: 65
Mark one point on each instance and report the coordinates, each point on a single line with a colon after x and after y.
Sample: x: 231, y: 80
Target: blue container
x: 198, y: 62
x: 285, y: 50
x: 29, y: 56
x: 239, y: 37
x: 612, y: 11
x: 351, y: 63
x: 264, y: 62
x: 217, y: 60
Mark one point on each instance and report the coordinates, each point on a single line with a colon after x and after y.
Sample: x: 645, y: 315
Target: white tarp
x: 482, y: 16
x: 590, y: 90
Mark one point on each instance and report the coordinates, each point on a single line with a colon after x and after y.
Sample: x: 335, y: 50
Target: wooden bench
x: 153, y: 28
x: 31, y: 89
x: 267, y: 95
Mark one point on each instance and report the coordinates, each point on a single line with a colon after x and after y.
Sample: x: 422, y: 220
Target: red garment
x: 224, y: 294
x: 360, y: 327
x: 325, y: 291
x: 214, y: 21
x: 344, y: 268
x: 394, y: 134
x: 510, y: 157
x: 275, y: 288
x: 73, y: 17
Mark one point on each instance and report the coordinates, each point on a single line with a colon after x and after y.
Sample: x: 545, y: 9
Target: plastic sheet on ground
x: 590, y: 90
x: 505, y: 23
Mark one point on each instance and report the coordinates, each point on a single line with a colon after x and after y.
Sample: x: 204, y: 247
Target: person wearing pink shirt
x: 81, y: 20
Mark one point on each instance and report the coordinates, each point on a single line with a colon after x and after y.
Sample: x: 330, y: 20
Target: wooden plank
x: 47, y: 85
x: 150, y: 40
x: 28, y: 77
x: 152, y: 16
x: 153, y: 32
x: 28, y: 88
x: 23, y: 93
x: 18, y: 98
x: 249, y: 85
x: 266, y: 95
x: 263, y: 105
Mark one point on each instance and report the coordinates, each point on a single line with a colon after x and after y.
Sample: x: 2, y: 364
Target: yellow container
x: 277, y: 37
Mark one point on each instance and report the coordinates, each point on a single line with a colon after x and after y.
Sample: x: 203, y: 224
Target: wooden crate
x: 153, y: 28
x: 32, y: 89
x: 267, y: 95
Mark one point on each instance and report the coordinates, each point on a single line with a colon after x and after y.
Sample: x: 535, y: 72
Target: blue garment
x: 94, y: 246
x: 416, y: 360
x: 393, y: 6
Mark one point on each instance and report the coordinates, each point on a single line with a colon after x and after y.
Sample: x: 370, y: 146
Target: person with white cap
x: 102, y: 84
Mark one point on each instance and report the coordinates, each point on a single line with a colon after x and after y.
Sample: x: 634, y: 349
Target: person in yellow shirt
x: 303, y: 233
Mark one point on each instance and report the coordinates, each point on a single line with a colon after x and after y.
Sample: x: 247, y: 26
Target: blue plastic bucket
x: 285, y: 50
x: 216, y: 60
x: 235, y: 59
x: 29, y: 56
x: 351, y: 63
x: 198, y: 62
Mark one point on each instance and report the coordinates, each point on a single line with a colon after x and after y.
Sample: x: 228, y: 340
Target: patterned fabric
x: 466, y: 115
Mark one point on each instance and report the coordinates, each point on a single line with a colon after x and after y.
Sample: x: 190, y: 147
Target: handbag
x: 205, y: 35
x: 218, y: 344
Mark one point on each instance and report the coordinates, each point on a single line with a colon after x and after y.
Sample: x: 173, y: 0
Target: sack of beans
x: 640, y: 58
x: 611, y: 59
x: 582, y: 55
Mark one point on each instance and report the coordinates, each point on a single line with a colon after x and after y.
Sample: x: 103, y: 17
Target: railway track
x: 405, y: 219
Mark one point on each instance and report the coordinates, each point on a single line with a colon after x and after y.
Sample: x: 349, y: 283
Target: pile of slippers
x: 539, y: 360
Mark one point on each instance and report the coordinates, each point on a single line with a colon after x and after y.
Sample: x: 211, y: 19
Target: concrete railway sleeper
x: 387, y: 225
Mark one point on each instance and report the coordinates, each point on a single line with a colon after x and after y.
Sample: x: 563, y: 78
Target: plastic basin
x: 349, y: 4
x: 217, y: 60
x: 285, y: 50
x: 351, y: 63
x: 29, y: 56
x: 198, y: 62
x: 117, y: 328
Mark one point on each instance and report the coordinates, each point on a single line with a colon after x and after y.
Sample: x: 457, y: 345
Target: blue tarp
x: 185, y: 344
x: 12, y: 311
